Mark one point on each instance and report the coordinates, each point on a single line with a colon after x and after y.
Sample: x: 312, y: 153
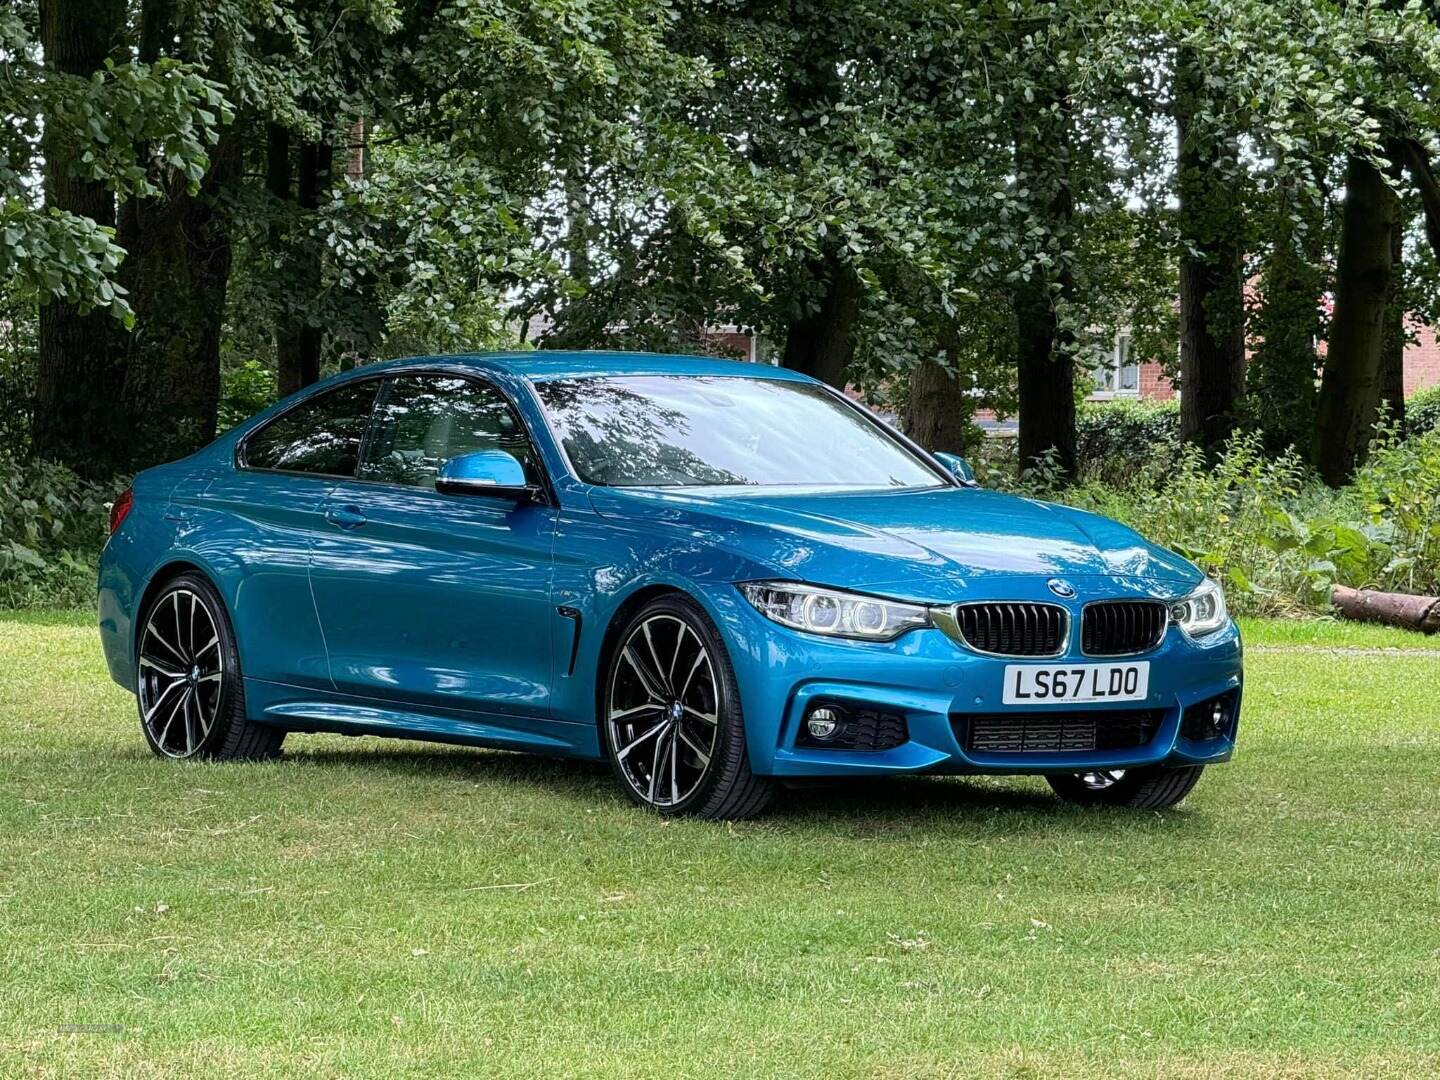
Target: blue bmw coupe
x: 714, y: 575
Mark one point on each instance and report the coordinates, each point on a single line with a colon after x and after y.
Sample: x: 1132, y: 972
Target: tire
x: 1150, y: 788
x: 670, y: 717
x: 188, y: 682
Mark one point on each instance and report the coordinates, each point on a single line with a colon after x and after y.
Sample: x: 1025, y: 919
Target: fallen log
x: 1420, y: 613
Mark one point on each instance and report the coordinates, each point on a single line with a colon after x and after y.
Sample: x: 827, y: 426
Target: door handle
x: 346, y: 517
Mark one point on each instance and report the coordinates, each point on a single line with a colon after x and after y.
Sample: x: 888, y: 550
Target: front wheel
x: 671, y: 718
x: 1150, y: 788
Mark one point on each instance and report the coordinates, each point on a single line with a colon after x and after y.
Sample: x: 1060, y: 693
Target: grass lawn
x: 377, y: 908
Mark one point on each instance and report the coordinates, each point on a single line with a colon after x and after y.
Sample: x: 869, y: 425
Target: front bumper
x: 935, y: 684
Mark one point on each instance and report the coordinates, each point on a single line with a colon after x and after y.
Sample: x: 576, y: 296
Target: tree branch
x: 1423, y: 174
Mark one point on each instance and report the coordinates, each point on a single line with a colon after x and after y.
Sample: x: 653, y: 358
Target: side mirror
x: 485, y: 472
x: 958, y: 466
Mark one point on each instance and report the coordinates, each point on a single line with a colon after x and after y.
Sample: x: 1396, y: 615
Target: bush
x: 1422, y: 411
x: 1114, y: 440
x: 52, y: 526
x: 1278, y: 538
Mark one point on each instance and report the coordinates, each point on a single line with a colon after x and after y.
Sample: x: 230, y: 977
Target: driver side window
x: 421, y: 421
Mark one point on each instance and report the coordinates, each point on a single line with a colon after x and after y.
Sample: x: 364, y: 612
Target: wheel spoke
x: 190, y: 627
x: 655, y: 767
x: 696, y: 749
x: 675, y: 660
x: 674, y: 755
x: 169, y: 720
x: 167, y: 673
x: 207, y: 647
x: 655, y: 656
x: 652, y: 687
x: 175, y: 609
x: 189, y: 724
x: 205, y: 724
x: 628, y: 715
x: 709, y: 718
x: 155, y: 706
x: 700, y: 657
x: 647, y: 733
x: 151, y: 631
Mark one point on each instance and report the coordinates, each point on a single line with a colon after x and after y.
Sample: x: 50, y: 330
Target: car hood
x: 904, y: 541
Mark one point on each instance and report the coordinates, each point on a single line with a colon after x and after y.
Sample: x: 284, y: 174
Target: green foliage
x: 1422, y: 411
x: 1278, y: 538
x: 1399, y: 488
x: 1116, y: 441
x: 245, y: 389
x: 52, y: 526
x: 19, y: 346
x: 171, y: 108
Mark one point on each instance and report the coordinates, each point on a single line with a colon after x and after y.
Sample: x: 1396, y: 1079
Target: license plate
x: 1052, y: 684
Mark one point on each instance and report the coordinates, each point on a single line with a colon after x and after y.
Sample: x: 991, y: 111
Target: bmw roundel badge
x: 1061, y: 588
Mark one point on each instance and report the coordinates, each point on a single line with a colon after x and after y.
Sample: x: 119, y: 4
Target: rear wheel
x: 671, y: 717
x: 1150, y: 788
x: 188, y: 681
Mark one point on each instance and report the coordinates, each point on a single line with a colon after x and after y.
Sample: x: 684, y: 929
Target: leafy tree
x: 76, y: 102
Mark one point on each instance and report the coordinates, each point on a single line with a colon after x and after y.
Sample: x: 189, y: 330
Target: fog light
x: 822, y: 723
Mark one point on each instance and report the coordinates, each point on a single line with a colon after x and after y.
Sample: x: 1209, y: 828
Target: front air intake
x: 1056, y: 732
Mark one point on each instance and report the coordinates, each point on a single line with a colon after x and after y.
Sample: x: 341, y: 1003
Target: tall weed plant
x: 52, y: 526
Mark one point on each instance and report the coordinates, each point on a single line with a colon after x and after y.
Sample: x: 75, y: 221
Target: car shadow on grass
x: 901, y: 802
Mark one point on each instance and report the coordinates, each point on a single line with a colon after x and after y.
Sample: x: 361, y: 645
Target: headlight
x: 1202, y: 612
x: 832, y: 612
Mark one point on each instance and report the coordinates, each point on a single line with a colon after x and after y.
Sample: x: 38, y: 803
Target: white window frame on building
x: 1119, y: 375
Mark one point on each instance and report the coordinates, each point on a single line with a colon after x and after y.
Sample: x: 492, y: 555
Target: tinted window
x: 423, y: 420
x: 322, y: 435
x: 680, y: 431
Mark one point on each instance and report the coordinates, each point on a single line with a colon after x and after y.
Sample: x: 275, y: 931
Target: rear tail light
x: 120, y: 508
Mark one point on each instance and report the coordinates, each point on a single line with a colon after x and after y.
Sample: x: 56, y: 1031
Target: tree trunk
x: 1350, y: 386
x: 820, y: 342
x: 1046, y: 379
x: 1212, y: 305
x: 1280, y: 378
x: 1417, y: 159
x: 937, y: 409
x: 178, y: 272
x: 81, y: 360
x: 298, y: 340
x: 1392, y: 353
x: 1046, y: 346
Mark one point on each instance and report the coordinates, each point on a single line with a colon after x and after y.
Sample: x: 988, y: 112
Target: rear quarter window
x: 321, y: 435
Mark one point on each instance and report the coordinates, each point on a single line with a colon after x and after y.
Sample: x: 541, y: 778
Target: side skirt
x: 305, y: 709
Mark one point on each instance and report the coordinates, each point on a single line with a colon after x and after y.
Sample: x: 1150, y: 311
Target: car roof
x: 543, y: 365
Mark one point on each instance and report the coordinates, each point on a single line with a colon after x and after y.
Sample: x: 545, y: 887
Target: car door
x: 262, y: 516
x: 433, y: 599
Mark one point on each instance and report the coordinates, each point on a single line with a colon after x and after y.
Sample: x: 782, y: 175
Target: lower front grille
x: 1056, y: 732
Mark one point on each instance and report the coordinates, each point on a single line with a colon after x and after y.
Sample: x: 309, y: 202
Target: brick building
x: 1126, y: 377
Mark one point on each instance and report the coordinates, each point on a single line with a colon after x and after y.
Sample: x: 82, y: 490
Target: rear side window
x: 321, y: 435
x: 422, y: 421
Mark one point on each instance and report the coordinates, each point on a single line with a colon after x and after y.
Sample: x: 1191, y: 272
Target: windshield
x: 691, y: 431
